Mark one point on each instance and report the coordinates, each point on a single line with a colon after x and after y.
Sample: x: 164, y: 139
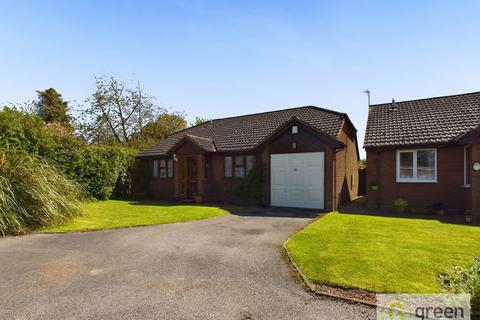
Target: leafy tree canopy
x: 199, y: 120
x: 163, y: 126
x: 115, y: 113
x: 52, y: 108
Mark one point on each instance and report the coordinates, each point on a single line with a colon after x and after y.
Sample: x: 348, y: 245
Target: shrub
x: 463, y: 280
x: 34, y: 194
x: 104, y: 171
x: 140, y: 178
x: 249, y: 192
x: 19, y: 131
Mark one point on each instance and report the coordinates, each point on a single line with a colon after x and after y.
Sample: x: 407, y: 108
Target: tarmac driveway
x: 229, y: 267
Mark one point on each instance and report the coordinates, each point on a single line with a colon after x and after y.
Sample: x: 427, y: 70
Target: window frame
x: 415, y: 179
x: 170, y: 165
x: 242, y: 166
x: 225, y: 167
x: 162, y: 164
x: 234, y: 165
x: 155, y: 168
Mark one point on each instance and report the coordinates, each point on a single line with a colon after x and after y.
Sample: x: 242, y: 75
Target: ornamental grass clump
x: 34, y: 194
x: 463, y: 280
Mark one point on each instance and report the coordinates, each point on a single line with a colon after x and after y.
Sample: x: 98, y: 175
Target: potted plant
x: 468, y: 216
x: 374, y: 186
x: 439, y: 208
x: 198, y: 198
x: 400, y: 205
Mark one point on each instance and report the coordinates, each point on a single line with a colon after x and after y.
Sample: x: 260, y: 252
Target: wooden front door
x: 188, y: 176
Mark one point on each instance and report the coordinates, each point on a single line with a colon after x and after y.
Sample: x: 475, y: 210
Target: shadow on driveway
x: 279, y: 213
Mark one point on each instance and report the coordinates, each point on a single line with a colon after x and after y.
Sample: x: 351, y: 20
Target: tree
x: 362, y: 164
x: 165, y: 125
x: 52, y: 108
x: 115, y: 113
x: 200, y: 120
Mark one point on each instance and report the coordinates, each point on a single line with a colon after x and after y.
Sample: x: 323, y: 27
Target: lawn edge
x: 311, y: 286
x: 122, y: 227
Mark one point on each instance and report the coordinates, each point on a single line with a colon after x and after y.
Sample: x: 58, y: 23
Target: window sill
x: 417, y: 181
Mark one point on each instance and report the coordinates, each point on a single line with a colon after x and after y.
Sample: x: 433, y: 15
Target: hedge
x: 100, y: 171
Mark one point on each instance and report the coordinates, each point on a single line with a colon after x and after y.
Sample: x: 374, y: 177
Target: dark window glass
x: 239, y: 167
x: 228, y: 167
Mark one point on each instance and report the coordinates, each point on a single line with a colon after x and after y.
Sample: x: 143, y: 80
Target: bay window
x: 417, y: 165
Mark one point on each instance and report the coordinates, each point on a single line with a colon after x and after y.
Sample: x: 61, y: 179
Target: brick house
x: 307, y: 158
x: 425, y: 151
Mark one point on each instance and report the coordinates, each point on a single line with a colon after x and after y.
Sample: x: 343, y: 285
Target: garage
x: 298, y: 180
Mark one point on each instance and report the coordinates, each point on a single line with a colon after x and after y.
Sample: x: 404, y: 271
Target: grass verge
x: 113, y: 214
x: 382, y: 254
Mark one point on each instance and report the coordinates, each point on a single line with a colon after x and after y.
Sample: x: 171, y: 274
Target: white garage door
x: 297, y: 180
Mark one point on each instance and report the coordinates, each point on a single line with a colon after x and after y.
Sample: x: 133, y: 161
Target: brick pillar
x: 176, y: 178
x: 373, y: 178
x: 330, y: 179
x: 475, y: 184
x: 201, y: 181
x: 265, y: 169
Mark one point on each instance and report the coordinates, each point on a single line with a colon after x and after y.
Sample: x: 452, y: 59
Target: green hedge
x: 100, y: 171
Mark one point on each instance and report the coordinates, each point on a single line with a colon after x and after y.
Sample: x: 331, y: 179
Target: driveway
x: 229, y: 267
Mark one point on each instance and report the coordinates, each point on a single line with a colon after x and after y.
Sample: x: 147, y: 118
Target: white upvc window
x: 417, y: 166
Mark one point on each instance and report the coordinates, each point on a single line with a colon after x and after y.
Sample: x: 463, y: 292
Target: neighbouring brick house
x: 425, y: 151
x: 307, y: 158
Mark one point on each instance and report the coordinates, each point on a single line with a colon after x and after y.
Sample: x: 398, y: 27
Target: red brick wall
x: 475, y: 184
x: 160, y: 188
x: 264, y: 162
x: 330, y: 188
x: 347, y: 167
x: 381, y: 169
x: 219, y: 188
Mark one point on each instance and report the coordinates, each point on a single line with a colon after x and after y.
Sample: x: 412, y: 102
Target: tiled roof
x: 204, y: 143
x: 425, y: 121
x: 246, y: 132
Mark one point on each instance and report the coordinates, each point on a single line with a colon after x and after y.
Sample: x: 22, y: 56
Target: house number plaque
x: 476, y: 166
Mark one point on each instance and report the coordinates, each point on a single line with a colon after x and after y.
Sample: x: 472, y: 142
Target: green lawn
x: 112, y: 214
x: 382, y: 254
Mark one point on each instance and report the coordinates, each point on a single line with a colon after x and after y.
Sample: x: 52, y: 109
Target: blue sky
x: 222, y: 58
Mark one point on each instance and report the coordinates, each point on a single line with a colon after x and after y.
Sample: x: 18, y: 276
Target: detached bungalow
x: 307, y: 158
x: 426, y: 152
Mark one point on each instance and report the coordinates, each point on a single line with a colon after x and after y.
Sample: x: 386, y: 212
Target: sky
x: 217, y: 59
